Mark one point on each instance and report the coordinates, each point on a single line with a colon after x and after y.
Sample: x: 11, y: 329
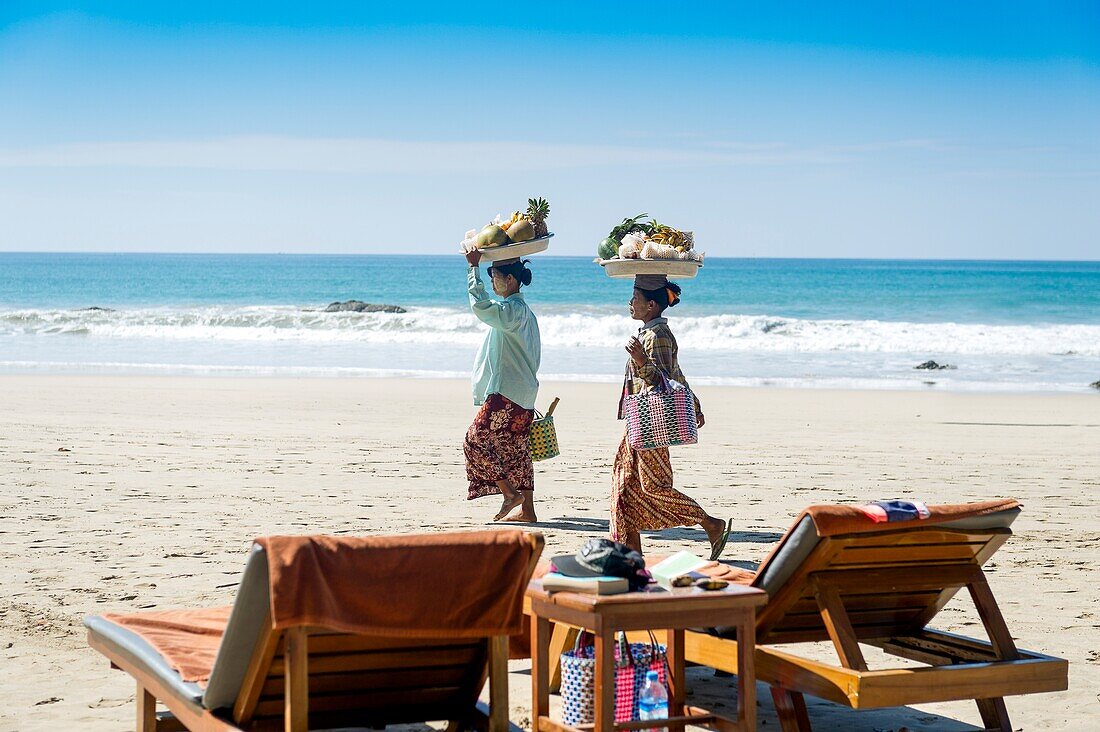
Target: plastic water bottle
x: 653, y: 703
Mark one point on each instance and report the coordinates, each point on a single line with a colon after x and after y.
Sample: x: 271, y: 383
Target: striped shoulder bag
x: 660, y: 417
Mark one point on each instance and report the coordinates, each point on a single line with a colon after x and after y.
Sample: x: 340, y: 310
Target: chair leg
x: 296, y: 681
x: 562, y: 639
x: 994, y: 714
x: 790, y: 707
x: 498, y: 683
x: 146, y: 710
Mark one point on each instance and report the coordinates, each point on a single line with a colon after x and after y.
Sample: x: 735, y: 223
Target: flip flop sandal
x: 719, y: 546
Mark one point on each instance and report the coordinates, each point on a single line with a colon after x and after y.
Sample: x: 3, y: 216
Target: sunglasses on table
x: 708, y: 584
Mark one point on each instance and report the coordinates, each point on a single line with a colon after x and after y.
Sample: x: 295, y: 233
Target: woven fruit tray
x: 511, y: 251
x: 676, y: 269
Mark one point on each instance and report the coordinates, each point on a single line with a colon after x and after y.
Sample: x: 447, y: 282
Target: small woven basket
x: 544, y: 438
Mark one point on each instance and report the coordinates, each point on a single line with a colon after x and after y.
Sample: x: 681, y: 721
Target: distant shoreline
x: 548, y: 382
x: 545, y: 255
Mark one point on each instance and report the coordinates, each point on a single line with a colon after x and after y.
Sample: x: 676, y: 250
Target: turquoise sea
x: 1021, y: 326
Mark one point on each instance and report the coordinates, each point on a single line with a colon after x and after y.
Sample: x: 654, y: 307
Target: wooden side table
x: 655, y: 609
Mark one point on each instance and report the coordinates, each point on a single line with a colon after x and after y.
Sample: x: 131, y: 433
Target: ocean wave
x: 560, y: 329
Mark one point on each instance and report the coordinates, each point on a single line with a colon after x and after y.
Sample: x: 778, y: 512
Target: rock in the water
x: 932, y: 366
x: 1095, y: 385
x: 99, y: 309
x: 356, y: 306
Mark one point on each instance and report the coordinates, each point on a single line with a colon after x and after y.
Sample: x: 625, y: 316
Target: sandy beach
x: 126, y: 493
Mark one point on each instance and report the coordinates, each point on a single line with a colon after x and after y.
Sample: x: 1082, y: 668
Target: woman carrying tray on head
x: 642, y: 494
x: 498, y: 458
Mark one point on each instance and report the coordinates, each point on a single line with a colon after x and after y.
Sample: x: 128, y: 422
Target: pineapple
x: 538, y: 209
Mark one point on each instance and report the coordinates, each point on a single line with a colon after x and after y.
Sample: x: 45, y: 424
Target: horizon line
x: 540, y: 255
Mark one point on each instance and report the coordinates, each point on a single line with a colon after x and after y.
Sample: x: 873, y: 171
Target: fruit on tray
x: 522, y: 230
x: 519, y: 227
x: 643, y: 237
x: 491, y: 236
x: 663, y: 234
x: 608, y: 249
x: 538, y: 210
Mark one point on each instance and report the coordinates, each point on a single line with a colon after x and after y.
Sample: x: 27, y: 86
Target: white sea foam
x: 591, y: 329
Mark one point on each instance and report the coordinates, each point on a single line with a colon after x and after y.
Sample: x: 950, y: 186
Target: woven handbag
x: 660, y: 417
x: 544, y: 438
x: 632, y: 661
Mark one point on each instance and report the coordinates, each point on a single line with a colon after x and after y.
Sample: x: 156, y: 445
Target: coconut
x: 629, y: 249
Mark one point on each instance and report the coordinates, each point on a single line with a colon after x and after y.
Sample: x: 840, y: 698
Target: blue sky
x: 953, y: 130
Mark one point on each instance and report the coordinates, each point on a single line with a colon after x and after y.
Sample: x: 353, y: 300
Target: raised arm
x: 492, y: 313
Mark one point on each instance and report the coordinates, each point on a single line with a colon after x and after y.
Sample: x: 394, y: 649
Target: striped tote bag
x: 660, y: 417
x: 632, y: 662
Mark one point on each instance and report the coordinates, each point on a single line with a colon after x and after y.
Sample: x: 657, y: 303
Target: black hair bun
x: 517, y: 269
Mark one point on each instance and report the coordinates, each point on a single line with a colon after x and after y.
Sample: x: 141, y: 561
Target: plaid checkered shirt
x: 661, y: 350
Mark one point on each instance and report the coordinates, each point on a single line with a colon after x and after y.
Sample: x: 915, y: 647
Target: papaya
x: 521, y: 230
x: 491, y: 236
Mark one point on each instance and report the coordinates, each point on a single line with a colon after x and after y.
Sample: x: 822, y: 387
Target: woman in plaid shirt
x: 642, y: 493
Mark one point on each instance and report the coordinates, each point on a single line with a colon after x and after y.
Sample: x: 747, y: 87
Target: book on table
x: 680, y: 563
x: 554, y: 582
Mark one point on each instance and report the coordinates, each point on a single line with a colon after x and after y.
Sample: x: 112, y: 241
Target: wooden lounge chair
x: 881, y: 585
x: 270, y: 675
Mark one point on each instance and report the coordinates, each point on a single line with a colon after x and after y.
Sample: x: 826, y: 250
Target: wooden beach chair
x: 336, y: 632
x: 836, y: 576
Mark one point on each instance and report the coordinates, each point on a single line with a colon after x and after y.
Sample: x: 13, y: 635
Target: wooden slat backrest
x: 385, y: 680
x: 889, y: 582
x: 357, y: 680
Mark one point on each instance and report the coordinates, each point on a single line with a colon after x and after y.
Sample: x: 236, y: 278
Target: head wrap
x: 650, y: 282
x: 655, y: 283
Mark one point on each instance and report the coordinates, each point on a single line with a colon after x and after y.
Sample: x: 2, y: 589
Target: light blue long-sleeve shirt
x: 508, y: 361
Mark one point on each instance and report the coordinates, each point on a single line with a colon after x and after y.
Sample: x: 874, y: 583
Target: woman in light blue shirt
x: 505, y: 383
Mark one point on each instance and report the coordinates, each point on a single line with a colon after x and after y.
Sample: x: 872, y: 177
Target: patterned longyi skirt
x: 497, y: 448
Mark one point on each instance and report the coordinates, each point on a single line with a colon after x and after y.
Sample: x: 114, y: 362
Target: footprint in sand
x: 108, y: 703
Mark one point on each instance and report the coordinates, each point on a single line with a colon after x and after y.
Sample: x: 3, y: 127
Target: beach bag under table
x: 632, y: 662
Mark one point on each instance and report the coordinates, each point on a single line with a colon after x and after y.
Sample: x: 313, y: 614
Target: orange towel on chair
x: 384, y: 585
x: 391, y: 585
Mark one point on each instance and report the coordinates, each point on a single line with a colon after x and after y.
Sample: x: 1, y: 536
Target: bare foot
x: 522, y: 517
x: 515, y: 501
